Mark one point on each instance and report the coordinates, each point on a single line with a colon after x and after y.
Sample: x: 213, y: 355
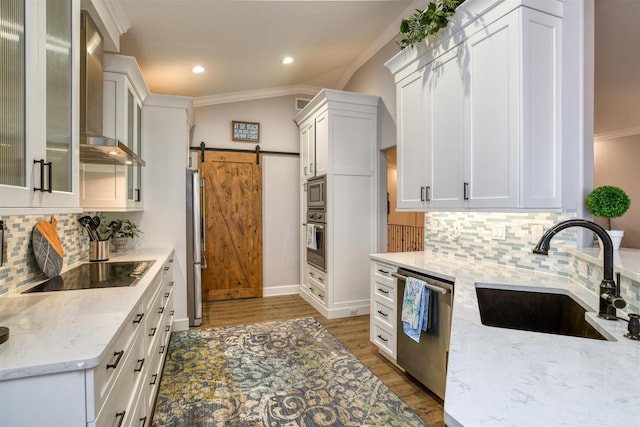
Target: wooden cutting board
x: 47, y: 247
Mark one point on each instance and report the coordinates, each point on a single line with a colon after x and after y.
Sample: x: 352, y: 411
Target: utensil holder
x: 99, y: 250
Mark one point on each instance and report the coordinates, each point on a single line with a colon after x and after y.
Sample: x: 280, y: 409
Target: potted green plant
x: 427, y: 22
x: 609, y: 202
x: 119, y: 231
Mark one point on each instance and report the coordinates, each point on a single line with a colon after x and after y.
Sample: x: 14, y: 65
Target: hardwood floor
x: 353, y: 332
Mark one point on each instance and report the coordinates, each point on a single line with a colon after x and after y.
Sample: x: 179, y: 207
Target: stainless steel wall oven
x: 316, y: 222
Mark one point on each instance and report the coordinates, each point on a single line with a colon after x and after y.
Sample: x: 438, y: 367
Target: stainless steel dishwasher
x: 426, y: 361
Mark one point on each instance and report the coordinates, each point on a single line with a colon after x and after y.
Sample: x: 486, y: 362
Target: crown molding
x: 385, y: 37
x: 250, y: 95
x: 620, y: 133
x: 110, y: 20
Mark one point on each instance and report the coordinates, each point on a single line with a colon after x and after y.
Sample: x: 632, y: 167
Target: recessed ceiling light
x: 198, y: 69
x: 287, y: 60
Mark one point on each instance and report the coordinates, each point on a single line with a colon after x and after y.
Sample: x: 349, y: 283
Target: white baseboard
x: 280, y: 290
x: 180, y: 324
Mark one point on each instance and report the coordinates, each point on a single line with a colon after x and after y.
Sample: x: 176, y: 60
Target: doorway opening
x: 405, y: 230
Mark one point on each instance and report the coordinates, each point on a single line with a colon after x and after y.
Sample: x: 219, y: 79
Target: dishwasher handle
x: 429, y: 286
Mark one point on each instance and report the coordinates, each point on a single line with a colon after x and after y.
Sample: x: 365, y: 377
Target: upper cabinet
x: 479, y: 113
x: 38, y: 111
x: 118, y: 187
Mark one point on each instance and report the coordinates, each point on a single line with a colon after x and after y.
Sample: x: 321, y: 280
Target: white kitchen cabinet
x: 39, y: 127
x: 313, y: 146
x: 383, y: 319
x: 344, y: 128
x: 479, y: 115
x: 121, y: 389
x: 118, y: 187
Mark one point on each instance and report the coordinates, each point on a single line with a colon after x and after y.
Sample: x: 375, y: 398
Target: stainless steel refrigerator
x: 194, y: 249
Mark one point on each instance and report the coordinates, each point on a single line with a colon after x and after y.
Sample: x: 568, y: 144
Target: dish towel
x: 312, y: 243
x: 415, y: 308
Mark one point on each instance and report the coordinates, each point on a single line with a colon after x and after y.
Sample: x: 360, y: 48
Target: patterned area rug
x: 291, y: 374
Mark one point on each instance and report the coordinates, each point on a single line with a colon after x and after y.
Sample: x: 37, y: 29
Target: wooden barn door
x: 232, y: 209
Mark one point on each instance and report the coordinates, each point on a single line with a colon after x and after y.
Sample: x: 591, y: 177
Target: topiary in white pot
x: 609, y: 202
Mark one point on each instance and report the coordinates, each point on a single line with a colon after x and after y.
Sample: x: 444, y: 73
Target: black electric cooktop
x: 96, y: 275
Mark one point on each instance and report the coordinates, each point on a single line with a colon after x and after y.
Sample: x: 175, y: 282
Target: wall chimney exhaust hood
x: 94, y: 146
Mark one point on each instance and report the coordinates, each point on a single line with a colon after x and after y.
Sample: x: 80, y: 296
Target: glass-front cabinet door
x: 38, y: 125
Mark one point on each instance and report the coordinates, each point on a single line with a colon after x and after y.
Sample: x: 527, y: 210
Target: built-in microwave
x: 317, y: 193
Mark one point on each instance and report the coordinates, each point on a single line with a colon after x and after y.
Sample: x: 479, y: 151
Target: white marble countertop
x: 53, y: 332
x: 503, y: 377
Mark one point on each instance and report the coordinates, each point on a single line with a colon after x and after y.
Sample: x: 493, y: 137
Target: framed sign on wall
x: 245, y: 131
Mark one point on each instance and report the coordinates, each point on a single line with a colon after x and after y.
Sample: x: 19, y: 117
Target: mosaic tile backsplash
x: 20, y: 267
x: 475, y: 241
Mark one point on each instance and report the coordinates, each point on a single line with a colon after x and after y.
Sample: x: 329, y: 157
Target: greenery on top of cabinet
x: 427, y: 22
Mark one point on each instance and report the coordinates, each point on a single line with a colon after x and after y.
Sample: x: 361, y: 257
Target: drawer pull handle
x: 138, y: 318
x: 166, y: 295
x: 140, y: 365
x: 167, y: 328
x: 383, y: 314
x: 161, y: 349
x: 167, y: 268
x: 161, y: 310
x: 153, y: 332
x: 143, y: 420
x: 171, y: 312
x: 121, y: 416
x: 155, y: 378
x: 170, y: 283
x: 382, y: 291
x: 118, y: 355
x: 383, y: 271
x: 383, y: 339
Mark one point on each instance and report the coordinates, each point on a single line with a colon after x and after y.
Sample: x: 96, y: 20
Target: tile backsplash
x: 470, y: 235
x: 20, y: 265
x: 475, y: 242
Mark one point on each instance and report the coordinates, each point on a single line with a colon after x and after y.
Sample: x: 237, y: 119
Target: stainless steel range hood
x: 94, y: 146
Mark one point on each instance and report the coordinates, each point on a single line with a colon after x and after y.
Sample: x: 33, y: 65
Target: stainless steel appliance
x: 316, y: 253
x: 96, y: 275
x: 195, y: 245
x: 317, y: 193
x: 94, y: 146
x: 426, y: 360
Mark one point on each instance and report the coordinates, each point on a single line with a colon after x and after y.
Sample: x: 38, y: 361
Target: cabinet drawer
x: 384, y: 339
x: 101, y: 378
x: 382, y: 272
x: 317, y: 276
x: 318, y: 291
x: 125, y: 388
x: 384, y: 314
x: 384, y: 293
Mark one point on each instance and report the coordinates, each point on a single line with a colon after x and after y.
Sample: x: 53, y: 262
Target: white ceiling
x: 241, y: 42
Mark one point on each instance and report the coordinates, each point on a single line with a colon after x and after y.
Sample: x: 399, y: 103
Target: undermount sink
x: 534, y: 311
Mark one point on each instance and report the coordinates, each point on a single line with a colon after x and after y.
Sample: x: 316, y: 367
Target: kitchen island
x: 504, y: 377
x: 87, y: 356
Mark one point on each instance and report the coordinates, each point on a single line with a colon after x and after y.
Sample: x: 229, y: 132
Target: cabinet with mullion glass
x: 38, y: 155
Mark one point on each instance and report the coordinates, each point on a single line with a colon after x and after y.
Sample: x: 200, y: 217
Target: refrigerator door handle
x: 203, y: 262
x: 203, y: 218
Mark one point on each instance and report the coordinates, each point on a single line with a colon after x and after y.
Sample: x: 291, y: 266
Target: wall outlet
x: 455, y: 233
x: 582, y: 269
x: 498, y: 232
x: 433, y: 226
x: 536, y: 233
